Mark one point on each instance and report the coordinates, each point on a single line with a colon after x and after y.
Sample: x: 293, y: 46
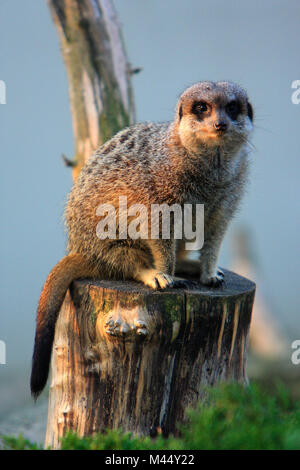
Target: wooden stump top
x: 234, y: 285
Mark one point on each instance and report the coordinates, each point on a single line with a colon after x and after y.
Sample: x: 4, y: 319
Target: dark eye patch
x: 233, y: 109
x: 199, y: 108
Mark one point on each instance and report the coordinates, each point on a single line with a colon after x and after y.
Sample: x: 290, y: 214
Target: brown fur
x: 186, y: 161
x: 70, y: 267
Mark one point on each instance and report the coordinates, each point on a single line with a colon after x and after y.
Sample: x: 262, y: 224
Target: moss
x: 113, y: 118
x: 173, y: 306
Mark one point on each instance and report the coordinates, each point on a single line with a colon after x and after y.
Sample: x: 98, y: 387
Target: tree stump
x: 128, y: 357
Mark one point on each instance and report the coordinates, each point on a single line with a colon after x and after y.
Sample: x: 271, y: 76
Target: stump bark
x: 128, y: 357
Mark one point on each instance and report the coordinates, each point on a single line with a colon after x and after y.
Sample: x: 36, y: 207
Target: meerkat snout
x: 220, y: 126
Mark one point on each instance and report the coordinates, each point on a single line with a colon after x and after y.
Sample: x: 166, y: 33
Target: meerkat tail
x: 71, y: 267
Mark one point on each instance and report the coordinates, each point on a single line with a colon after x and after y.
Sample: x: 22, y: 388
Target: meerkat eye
x: 199, y: 107
x: 233, y: 109
x: 202, y: 107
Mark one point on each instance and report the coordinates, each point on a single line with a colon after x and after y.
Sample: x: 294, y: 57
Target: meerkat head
x: 213, y: 114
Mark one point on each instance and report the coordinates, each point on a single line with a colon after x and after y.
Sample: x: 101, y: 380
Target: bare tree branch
x: 98, y: 72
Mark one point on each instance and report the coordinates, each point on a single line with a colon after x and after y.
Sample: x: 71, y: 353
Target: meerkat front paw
x: 156, y: 279
x: 213, y: 281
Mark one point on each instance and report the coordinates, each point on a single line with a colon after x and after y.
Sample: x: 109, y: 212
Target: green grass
x: 232, y: 417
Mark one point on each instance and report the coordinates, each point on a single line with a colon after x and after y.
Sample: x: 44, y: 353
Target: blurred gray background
x: 176, y: 43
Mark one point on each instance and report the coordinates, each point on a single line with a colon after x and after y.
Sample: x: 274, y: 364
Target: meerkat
x: 200, y: 157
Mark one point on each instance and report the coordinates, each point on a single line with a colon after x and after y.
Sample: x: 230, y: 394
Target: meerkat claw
x: 215, y: 281
x: 164, y: 280
x: 156, y: 279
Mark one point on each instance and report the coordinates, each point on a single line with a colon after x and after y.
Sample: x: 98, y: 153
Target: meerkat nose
x: 220, y: 126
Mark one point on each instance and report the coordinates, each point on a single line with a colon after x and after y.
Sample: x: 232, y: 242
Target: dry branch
x: 98, y: 72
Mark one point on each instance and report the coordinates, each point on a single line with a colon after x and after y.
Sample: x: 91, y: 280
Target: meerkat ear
x: 180, y: 112
x: 250, y: 111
